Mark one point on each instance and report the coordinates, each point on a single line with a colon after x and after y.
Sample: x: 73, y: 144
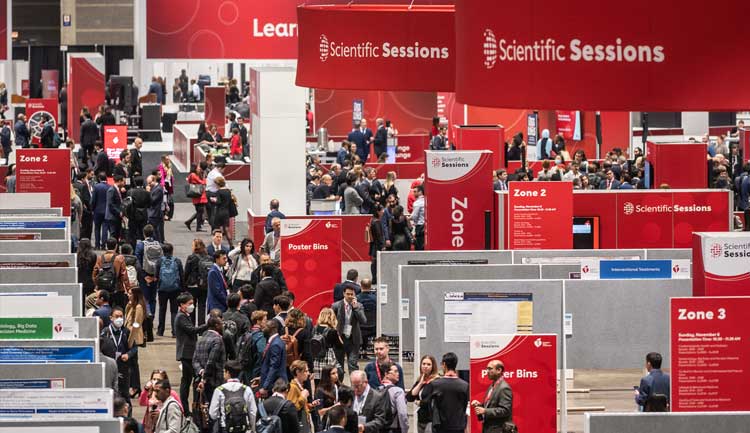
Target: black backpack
x: 236, y: 419
x: 106, y: 277
x: 269, y: 423
x: 204, y: 265
x: 247, y: 351
x: 318, y: 343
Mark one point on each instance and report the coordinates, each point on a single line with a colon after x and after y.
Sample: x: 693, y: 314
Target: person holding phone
x: 299, y: 395
x: 497, y: 409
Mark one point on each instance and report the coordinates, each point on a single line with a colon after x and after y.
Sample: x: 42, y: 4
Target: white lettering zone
x: 457, y: 220
x: 306, y: 247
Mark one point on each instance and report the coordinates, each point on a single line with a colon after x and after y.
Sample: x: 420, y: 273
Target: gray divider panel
x: 617, y: 322
x: 70, y: 259
x: 50, y: 227
x: 667, y: 422
x: 38, y: 275
x: 669, y: 254
x: 429, y: 301
x: 54, y: 211
x: 71, y: 289
x: 35, y: 247
x: 558, y: 272
x: 27, y: 426
x: 25, y: 200
x: 88, y: 327
x: 390, y: 313
x: 40, y: 344
x: 389, y: 261
x: 550, y: 256
x: 76, y: 375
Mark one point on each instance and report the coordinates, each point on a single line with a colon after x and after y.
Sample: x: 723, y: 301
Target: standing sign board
x: 311, y: 261
x: 38, y: 328
x: 457, y: 193
x: 710, y: 355
x: 45, y: 170
x: 530, y: 370
x: 36, y: 111
x: 115, y: 141
x: 540, y: 215
x: 721, y: 264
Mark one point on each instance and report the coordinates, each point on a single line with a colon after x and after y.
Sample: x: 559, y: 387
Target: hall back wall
x: 410, y: 112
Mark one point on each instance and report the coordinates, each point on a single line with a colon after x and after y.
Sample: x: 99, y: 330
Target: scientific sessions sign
x: 721, y: 264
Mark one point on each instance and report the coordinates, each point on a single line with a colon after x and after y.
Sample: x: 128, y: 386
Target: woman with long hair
x: 400, y: 230
x: 135, y: 314
x: 327, y: 324
x: 152, y: 404
x: 224, y: 209
x: 194, y: 280
x: 327, y: 391
x: 390, y: 185
x: 422, y: 389
x: 299, y: 395
x: 166, y: 178
x: 243, y: 264
x: 196, y: 177
x: 86, y: 259
x: 296, y: 325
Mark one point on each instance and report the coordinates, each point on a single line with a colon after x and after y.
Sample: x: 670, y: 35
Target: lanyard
x: 112, y: 335
x: 377, y: 369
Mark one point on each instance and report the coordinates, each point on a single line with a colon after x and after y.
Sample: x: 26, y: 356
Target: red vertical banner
x: 530, y: 370
x: 85, y: 89
x: 710, y: 354
x: 36, y: 109
x: 215, y: 102
x: 50, y: 83
x: 311, y: 261
x: 458, y: 190
x: 482, y: 137
x: 540, y: 215
x: 115, y: 141
x: 745, y: 143
x: 45, y: 170
x: 721, y: 264
x: 4, y: 33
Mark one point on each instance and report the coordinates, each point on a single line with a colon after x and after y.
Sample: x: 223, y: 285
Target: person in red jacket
x: 196, y: 178
x: 235, y: 148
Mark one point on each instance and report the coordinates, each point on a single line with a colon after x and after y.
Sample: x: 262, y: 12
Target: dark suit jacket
x: 187, y: 335
x: 287, y: 413
x: 209, y: 356
x: 211, y: 250
x: 374, y: 411
x: 358, y: 318
x: 265, y: 291
x: 99, y: 199
x: 615, y: 184
x: 217, y: 290
x: 23, y: 137
x: 278, y: 276
x: 47, y: 137
x: 122, y: 170
x: 499, y: 408
x: 114, y: 204
x: 136, y: 162
x: 381, y: 141
x: 362, y: 139
x: 89, y: 134
x: 155, y: 211
x: 273, y: 365
x: 102, y: 164
x: 338, y: 290
x: 84, y: 194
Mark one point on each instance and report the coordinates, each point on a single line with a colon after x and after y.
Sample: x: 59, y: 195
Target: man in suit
x: 217, y: 237
x: 209, y: 357
x: 113, y: 212
x: 440, y: 141
x: 273, y: 362
x: 381, y: 138
x: 89, y: 136
x: 85, y: 190
x: 155, y: 88
x: 102, y: 163
x: 22, y: 134
x: 361, y: 136
x: 285, y: 409
x: 123, y: 168
x: 370, y: 404
x: 351, y: 281
x: 47, y: 136
x: 501, y: 180
x: 156, y: 209
x: 276, y: 274
x: 217, y: 284
x: 266, y: 289
x: 497, y: 408
x: 350, y: 315
x: 136, y: 158
x: 99, y: 205
x: 187, y: 337
x: 337, y: 420
x: 610, y: 182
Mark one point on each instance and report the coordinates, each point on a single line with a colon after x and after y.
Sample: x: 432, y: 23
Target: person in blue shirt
x: 104, y: 310
x: 217, y: 284
x: 275, y: 213
x: 156, y: 89
x: 655, y: 383
x: 372, y: 369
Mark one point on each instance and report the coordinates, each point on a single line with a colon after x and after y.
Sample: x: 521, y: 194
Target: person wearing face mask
x: 114, y: 341
x: 187, y: 337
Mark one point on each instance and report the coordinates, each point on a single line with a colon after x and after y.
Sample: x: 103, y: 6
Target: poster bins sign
x: 311, y: 261
x: 531, y: 371
x: 597, y: 269
x: 721, y: 264
x: 457, y: 193
x: 710, y: 354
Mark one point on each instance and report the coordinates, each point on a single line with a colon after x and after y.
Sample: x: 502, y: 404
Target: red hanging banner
x: 530, y: 370
x: 376, y: 47
x: 311, y: 261
x: 458, y: 190
x: 591, y: 55
x: 45, y: 170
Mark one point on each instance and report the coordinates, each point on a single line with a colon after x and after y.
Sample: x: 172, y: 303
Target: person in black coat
x: 351, y: 281
x: 187, y: 337
x: 89, y: 136
x: 22, y: 134
x: 266, y: 290
x: 113, y: 342
x: 102, y: 163
x: 285, y: 409
x: 381, y: 138
x: 276, y: 273
x: 377, y: 236
x: 156, y: 208
x: 136, y: 158
x: 47, y: 136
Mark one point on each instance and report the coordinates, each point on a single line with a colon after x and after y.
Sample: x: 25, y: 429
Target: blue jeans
x: 100, y: 236
x: 150, y: 294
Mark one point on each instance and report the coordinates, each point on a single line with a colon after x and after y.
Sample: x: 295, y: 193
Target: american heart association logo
x: 585, y: 269
x: 58, y: 328
x: 715, y: 250
x: 538, y: 342
x: 436, y: 161
x: 489, y: 48
x: 676, y: 269
x: 324, y: 48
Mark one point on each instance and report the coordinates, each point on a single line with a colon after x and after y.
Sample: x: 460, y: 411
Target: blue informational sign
x: 46, y: 355
x: 18, y: 225
x: 25, y: 384
x: 635, y: 269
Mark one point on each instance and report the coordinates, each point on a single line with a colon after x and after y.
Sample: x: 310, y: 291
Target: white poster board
x: 56, y: 404
x: 467, y: 314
